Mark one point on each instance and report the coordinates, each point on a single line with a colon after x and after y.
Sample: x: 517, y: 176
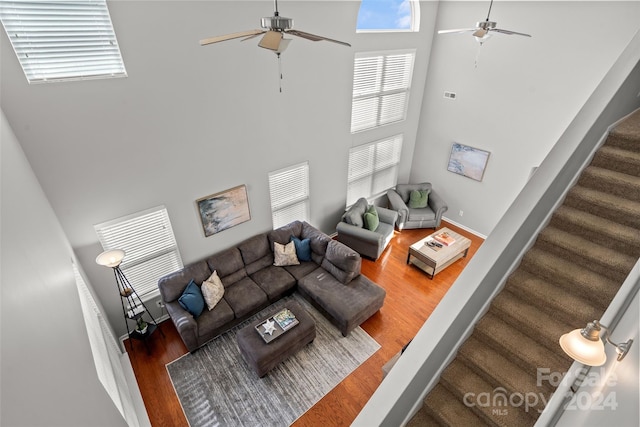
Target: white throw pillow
x: 212, y: 290
x: 285, y: 254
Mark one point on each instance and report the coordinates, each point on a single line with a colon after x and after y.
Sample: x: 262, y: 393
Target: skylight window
x: 388, y: 15
x: 62, y: 40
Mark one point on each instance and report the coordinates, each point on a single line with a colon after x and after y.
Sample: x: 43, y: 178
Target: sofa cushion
x: 172, y: 285
x: 283, y: 234
x: 192, y: 299
x: 354, y: 215
x: 256, y: 250
x: 302, y: 269
x: 229, y: 265
x: 303, y: 248
x: 244, y: 296
x: 274, y: 281
x: 425, y: 214
x: 212, y: 290
x: 348, y: 305
x: 284, y: 254
x: 371, y: 219
x: 404, y: 190
x: 319, y: 241
x: 418, y: 199
x: 212, y: 320
x: 342, y: 262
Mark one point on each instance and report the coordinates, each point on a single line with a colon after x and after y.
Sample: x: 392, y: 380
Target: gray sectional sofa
x: 330, y: 281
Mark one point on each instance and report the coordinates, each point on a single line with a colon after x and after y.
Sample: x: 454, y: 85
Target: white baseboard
x: 465, y: 228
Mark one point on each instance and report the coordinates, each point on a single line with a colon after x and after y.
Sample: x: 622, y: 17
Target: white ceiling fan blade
x: 271, y: 40
x: 510, y: 33
x: 461, y: 30
x: 314, y: 37
x: 231, y: 36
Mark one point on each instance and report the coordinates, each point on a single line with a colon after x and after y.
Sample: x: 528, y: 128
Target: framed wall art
x: 468, y: 161
x: 224, y: 210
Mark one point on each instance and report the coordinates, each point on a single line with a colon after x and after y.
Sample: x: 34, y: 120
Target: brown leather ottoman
x: 263, y: 357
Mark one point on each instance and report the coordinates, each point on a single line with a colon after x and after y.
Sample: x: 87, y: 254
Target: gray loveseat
x: 330, y: 281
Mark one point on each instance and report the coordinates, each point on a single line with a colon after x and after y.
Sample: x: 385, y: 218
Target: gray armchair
x: 353, y: 231
x: 427, y: 217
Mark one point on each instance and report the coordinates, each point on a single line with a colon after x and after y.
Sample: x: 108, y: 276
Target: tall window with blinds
x: 381, y: 84
x: 150, y: 248
x: 62, y: 40
x: 289, y: 191
x: 373, y: 168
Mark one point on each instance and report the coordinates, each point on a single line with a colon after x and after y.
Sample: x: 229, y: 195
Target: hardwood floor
x: 411, y: 298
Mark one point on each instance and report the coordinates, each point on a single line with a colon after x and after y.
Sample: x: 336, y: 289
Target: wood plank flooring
x: 411, y: 298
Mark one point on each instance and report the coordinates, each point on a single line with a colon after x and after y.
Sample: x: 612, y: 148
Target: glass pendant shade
x: 111, y: 258
x: 582, y: 349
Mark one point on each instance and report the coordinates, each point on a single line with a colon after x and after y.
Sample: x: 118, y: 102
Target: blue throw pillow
x: 192, y: 299
x: 303, y: 248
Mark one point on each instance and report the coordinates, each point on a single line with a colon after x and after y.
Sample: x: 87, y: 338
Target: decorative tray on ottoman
x: 276, y: 325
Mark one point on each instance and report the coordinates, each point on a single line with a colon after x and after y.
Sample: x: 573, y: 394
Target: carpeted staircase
x: 566, y: 279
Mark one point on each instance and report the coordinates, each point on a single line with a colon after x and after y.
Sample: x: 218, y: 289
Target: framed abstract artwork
x: 468, y: 161
x: 224, y: 210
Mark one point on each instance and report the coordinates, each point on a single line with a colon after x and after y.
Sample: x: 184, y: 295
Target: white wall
x: 47, y: 370
x: 519, y: 99
x: 616, y: 382
x: 190, y: 121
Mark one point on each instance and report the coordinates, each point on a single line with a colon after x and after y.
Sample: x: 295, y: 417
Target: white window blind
x: 373, y: 168
x: 289, y: 190
x: 150, y: 246
x: 381, y: 84
x: 62, y: 40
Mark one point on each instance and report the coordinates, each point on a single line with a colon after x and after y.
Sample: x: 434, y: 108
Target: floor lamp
x: 135, y: 306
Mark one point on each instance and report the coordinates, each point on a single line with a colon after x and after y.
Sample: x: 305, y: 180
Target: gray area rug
x: 217, y: 388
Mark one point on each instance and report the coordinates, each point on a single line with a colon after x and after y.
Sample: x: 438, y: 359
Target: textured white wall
x: 47, y: 370
x: 518, y: 100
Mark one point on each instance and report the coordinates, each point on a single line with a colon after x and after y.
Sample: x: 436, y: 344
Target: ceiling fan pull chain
x: 477, y: 56
x: 280, y: 71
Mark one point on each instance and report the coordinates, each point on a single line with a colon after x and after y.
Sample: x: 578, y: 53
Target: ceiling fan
x: 274, y: 28
x: 484, y: 29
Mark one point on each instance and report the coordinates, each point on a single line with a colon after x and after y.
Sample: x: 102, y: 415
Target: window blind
x: 289, y: 191
x: 62, y: 40
x: 150, y: 246
x: 373, y: 168
x: 381, y: 84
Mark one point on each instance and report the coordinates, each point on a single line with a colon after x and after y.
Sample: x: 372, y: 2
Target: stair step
x: 598, y: 289
x: 555, y: 301
x: 446, y: 409
x: 593, y: 256
x: 596, y: 229
x: 548, y: 330
x: 498, y: 370
x: 618, y: 209
x: 518, y: 348
x: 618, y: 159
x: 484, y: 398
x: 611, y: 182
x: 626, y: 133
